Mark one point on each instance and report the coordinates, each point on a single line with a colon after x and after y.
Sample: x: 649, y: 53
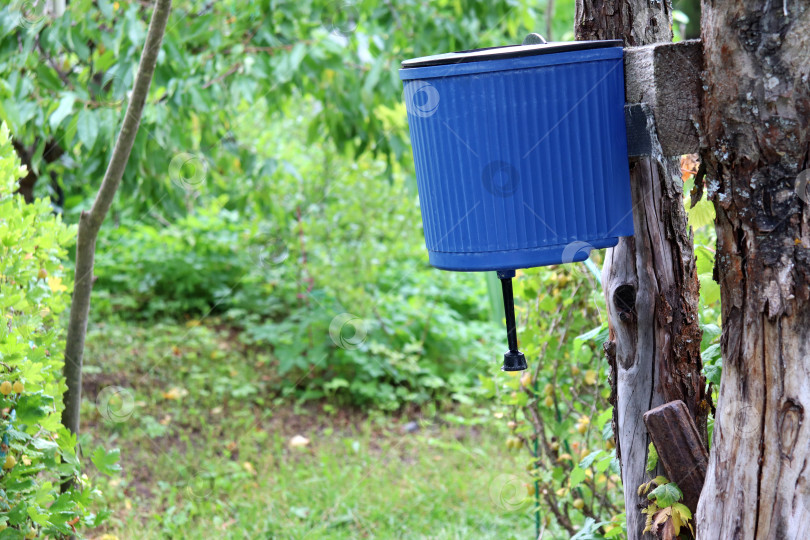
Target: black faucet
x: 514, y: 359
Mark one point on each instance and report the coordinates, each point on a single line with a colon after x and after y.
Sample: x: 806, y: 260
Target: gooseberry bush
x: 36, y: 452
x: 559, y: 414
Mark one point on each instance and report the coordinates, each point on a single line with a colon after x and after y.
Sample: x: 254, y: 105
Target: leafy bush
x: 420, y: 334
x: 329, y: 273
x: 37, y: 452
x: 558, y: 410
x: 190, y: 267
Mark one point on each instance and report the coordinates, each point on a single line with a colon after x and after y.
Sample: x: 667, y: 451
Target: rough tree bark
x: 90, y: 222
x: 650, y: 281
x: 756, y: 110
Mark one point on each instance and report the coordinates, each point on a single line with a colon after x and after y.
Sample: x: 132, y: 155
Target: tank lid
x: 533, y: 48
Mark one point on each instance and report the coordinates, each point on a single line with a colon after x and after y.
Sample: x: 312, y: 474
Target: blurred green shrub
x: 36, y: 452
x: 328, y: 271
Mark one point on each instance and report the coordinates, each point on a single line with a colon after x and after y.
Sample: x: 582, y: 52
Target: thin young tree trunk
x: 755, y: 114
x: 90, y: 222
x: 650, y: 281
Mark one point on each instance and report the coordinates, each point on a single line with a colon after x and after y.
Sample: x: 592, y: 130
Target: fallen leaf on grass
x: 175, y: 393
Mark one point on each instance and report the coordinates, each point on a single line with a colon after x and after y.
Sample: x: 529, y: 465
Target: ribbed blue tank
x: 520, y: 162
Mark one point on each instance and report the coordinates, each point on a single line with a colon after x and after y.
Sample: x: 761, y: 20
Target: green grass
x: 206, y: 454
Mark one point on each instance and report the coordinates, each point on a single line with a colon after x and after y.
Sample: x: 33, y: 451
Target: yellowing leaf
x: 682, y: 509
x: 681, y: 516
x: 590, y: 377
x: 648, y: 523
x: 677, y: 523
x: 55, y: 283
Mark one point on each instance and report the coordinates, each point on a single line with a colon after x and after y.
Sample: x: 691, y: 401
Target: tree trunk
x: 90, y: 222
x: 650, y: 280
x: 755, y: 116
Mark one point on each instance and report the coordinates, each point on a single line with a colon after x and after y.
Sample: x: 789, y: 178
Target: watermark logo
x: 30, y: 12
x: 200, y: 485
x: 347, y: 331
x: 115, y: 403
x: 110, y: 91
x: 340, y: 18
x: 500, y: 178
x: 576, y: 252
x: 269, y: 252
x: 745, y: 418
x: 187, y: 171
x: 421, y: 98
x: 506, y: 491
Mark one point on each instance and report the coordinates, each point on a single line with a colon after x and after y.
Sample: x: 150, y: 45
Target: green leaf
x: 709, y: 289
x: 589, y: 459
x: 87, y: 128
x: 598, y: 334
x: 712, y: 354
x: 44, y: 444
x: 665, y: 495
x: 607, y: 431
x: 684, y: 511
x: 577, y: 476
x: 713, y: 373
x: 63, y: 110
x: 710, y: 331
x: 680, y: 17
x: 702, y: 214
x: 37, y: 516
x: 603, y: 464
x: 107, y: 462
x: 652, y: 458
x: 704, y: 259
x: 336, y: 383
x: 32, y: 408
x: 712, y: 359
x: 604, y: 416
